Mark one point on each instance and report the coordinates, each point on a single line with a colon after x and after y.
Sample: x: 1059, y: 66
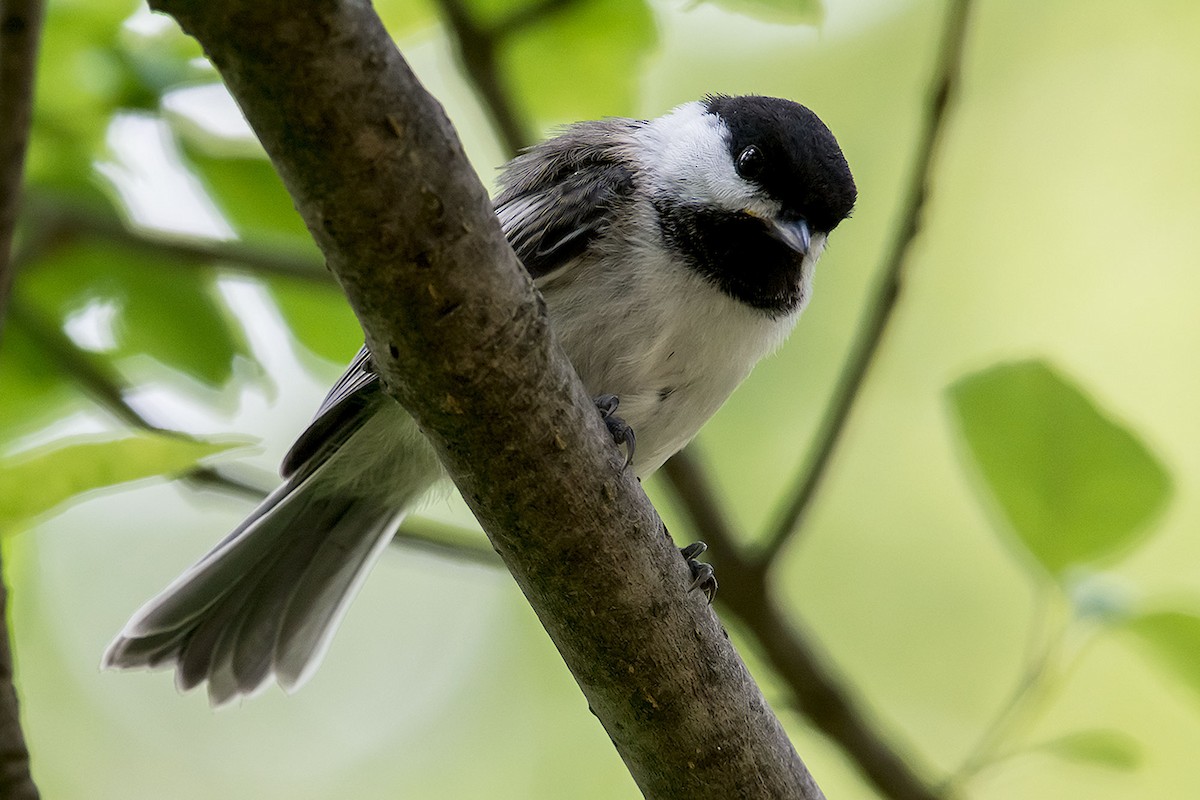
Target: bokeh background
x: 1060, y: 230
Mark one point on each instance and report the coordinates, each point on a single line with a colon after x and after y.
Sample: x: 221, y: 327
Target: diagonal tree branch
x: 20, y: 28
x: 818, y: 692
x: 879, y: 310
x: 461, y: 339
x: 57, y: 219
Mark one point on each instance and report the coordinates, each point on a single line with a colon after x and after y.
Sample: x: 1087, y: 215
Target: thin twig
x: 1044, y: 654
x: 20, y: 29
x: 57, y: 219
x: 879, y: 311
x: 478, y: 51
x: 103, y: 385
x: 816, y: 690
x: 93, y: 375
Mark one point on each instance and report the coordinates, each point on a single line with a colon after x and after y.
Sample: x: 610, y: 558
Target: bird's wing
x: 342, y: 412
x: 557, y: 198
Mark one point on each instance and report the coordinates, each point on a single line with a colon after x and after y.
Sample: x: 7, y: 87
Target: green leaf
x: 1074, y: 484
x: 405, y: 17
x: 250, y: 195
x: 1104, y: 747
x: 32, y: 392
x: 779, y: 12
x: 159, y: 307
x: 597, y: 43
x: 1173, y: 638
x: 319, y: 318
x: 35, y: 482
x: 85, y: 74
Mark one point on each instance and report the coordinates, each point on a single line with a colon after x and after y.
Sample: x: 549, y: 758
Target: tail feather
x: 323, y: 594
x: 200, y: 651
x: 210, y: 578
x: 148, y: 652
x: 266, y: 600
x: 253, y: 646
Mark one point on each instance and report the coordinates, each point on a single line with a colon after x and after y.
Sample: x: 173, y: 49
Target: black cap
x: 802, y: 165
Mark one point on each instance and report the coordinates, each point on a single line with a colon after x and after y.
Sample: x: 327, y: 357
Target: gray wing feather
x: 557, y: 198
x: 343, y: 411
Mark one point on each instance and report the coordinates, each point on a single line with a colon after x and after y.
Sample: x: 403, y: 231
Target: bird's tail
x: 266, y: 601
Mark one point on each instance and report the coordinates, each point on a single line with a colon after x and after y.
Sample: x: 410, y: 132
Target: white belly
x: 672, y: 360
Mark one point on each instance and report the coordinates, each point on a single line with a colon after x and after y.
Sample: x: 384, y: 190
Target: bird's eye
x: 750, y: 163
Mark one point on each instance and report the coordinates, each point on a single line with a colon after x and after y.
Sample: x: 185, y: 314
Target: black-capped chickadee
x: 672, y: 254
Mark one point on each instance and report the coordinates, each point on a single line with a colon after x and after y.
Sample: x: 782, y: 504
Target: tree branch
x: 887, y: 292
x: 461, y: 339
x: 20, y: 26
x: 58, y: 219
x: 817, y: 691
x: 477, y: 50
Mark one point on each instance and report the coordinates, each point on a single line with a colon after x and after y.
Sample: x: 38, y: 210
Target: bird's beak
x: 794, y: 233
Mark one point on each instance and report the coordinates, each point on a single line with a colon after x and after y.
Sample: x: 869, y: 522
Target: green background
x: 1060, y: 228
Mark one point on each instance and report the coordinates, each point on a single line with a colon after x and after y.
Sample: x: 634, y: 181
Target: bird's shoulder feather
x: 559, y: 196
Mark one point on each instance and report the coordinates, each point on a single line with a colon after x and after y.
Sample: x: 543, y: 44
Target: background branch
x: 57, y: 220
x: 817, y: 691
x: 879, y: 310
x: 20, y: 28
x: 477, y: 50
x: 460, y: 338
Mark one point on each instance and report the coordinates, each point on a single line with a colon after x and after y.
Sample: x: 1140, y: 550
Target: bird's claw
x: 619, y: 429
x: 704, y: 577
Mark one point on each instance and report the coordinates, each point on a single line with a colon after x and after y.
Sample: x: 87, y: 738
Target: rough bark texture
x: 20, y: 26
x: 460, y: 339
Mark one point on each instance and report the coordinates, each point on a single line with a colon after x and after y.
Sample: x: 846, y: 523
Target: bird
x: 672, y: 255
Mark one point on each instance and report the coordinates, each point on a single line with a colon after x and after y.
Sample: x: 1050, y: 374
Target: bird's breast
x: 663, y: 339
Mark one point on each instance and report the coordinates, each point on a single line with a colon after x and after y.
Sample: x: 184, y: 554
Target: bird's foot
x: 618, y: 428
x: 704, y: 577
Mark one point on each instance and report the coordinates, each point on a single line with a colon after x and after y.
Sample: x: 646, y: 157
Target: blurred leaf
x: 780, y: 12
x: 406, y: 17
x: 487, y: 13
x: 1103, y: 747
x: 320, y: 319
x: 35, y: 482
x: 85, y: 74
x: 31, y: 391
x: 250, y: 195
x: 581, y: 62
x: 152, y: 305
x: 1174, y: 639
x: 1074, y: 484
x: 1101, y: 596
x: 161, y: 56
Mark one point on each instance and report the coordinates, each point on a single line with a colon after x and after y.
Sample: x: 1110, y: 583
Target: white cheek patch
x: 688, y: 151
